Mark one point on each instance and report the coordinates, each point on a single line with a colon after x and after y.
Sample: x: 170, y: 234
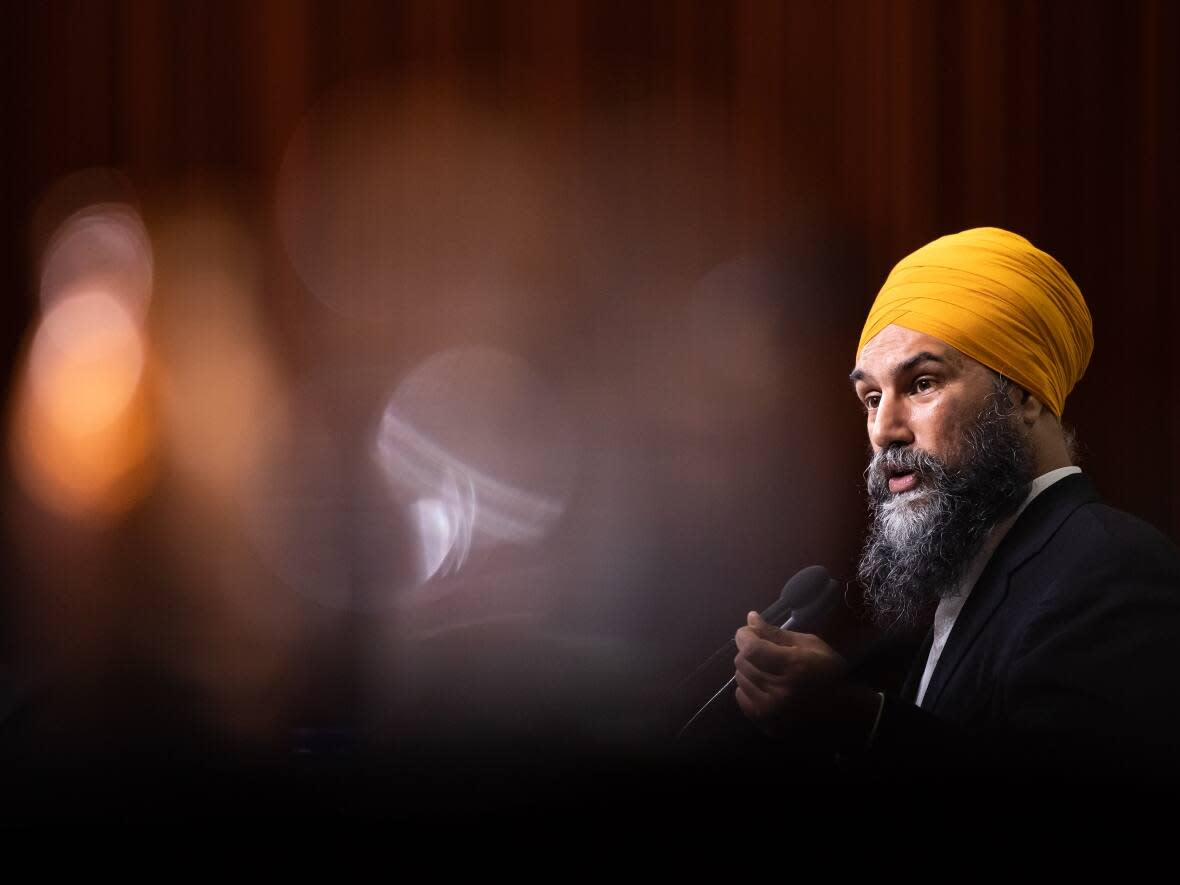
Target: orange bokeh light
x: 81, y: 432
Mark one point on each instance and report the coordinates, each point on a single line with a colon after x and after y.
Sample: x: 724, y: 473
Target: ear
x: 1030, y: 407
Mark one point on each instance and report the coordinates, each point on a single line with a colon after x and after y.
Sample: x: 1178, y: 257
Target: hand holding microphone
x: 781, y: 673
x: 791, y: 676
x: 811, y: 602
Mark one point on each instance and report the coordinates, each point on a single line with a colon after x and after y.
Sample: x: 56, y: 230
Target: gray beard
x: 921, y: 542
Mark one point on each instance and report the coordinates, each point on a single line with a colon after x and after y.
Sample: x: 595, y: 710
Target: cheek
x: 938, y: 428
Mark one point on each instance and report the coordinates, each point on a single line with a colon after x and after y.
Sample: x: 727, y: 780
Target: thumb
x: 764, y: 630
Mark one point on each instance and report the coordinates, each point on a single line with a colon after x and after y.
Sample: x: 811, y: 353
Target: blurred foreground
x: 456, y: 447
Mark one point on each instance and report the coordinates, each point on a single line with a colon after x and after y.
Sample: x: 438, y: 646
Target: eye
x: 924, y: 384
x: 872, y: 400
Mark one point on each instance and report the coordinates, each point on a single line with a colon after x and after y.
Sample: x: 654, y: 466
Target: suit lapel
x: 1036, y: 525
x: 913, y: 680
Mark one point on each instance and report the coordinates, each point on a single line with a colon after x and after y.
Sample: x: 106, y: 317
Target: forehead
x: 895, y: 346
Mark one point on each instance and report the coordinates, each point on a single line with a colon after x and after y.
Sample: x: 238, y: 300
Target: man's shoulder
x: 1097, y: 548
x: 1069, y: 520
x: 1098, y: 531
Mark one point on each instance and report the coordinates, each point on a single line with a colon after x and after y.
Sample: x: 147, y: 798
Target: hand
x: 781, y: 674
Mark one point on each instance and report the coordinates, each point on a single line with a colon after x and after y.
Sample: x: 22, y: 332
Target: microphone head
x: 826, y: 613
x: 804, y: 588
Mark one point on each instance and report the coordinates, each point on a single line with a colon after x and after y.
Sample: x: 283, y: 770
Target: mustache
x: 896, y: 460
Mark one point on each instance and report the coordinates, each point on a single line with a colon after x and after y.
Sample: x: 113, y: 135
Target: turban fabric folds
x: 996, y: 297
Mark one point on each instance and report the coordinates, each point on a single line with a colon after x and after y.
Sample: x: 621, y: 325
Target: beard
x: 922, y: 541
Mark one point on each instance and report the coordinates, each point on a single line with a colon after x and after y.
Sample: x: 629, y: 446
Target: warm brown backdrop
x: 897, y: 121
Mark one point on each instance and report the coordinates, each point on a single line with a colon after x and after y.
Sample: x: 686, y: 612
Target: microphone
x: 807, y: 600
x: 811, y: 602
x: 817, y: 603
x: 800, y: 593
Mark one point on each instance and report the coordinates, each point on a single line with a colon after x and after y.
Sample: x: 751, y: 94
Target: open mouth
x: 902, y: 481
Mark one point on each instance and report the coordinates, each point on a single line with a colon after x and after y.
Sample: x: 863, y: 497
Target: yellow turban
x: 996, y: 297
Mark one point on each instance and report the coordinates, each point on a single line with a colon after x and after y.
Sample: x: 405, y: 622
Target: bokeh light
x: 444, y: 527
x: 101, y: 247
x: 81, y: 426
x: 85, y: 363
x: 481, y: 449
x: 389, y: 198
x: 218, y: 372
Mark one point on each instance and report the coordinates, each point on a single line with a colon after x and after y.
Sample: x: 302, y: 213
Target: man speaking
x: 1056, y: 619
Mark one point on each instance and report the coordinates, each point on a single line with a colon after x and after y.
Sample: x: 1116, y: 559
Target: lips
x: 902, y: 482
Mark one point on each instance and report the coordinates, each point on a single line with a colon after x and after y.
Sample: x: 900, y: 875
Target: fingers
x: 765, y: 708
x: 778, y: 670
x: 747, y: 706
x: 757, y: 704
x: 747, y: 672
x: 766, y: 631
x: 764, y: 654
x: 753, y: 691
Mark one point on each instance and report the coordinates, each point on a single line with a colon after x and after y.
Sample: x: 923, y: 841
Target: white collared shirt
x: 950, y: 606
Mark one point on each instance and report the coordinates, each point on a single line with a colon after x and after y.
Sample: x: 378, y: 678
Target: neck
x: 1050, y: 450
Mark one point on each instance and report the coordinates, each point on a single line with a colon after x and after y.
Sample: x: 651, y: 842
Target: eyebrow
x: 905, y: 365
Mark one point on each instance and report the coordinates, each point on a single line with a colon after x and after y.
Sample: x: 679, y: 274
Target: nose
x: 890, y: 423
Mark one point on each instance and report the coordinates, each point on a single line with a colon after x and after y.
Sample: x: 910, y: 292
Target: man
x: 1055, y: 617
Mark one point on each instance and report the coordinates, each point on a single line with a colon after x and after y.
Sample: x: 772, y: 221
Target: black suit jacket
x: 1064, y: 659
